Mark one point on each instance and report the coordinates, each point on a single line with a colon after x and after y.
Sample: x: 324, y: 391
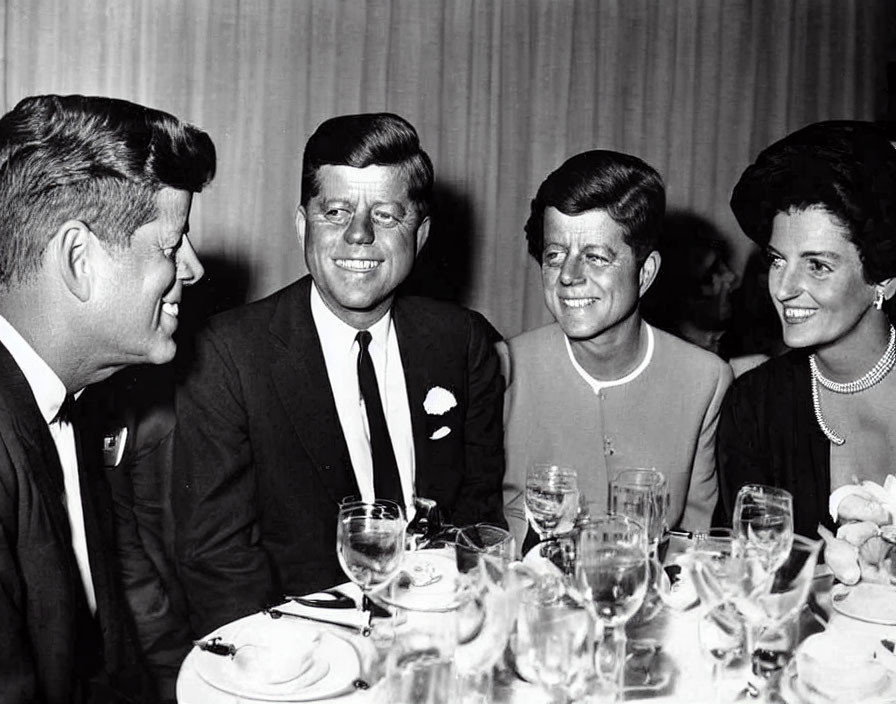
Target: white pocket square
x: 440, y: 433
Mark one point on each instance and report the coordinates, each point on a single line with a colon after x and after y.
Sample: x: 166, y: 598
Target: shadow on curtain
x: 501, y: 92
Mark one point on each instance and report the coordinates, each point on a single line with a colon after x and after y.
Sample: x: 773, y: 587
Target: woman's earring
x: 879, y: 300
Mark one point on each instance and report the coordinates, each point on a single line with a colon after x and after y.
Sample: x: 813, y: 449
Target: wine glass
x: 763, y: 519
x: 555, y: 638
x: 552, y: 499
x: 472, y: 542
x: 552, y: 506
x: 722, y: 634
x: 612, y: 567
x: 770, y: 603
x: 370, y: 542
x: 483, y: 553
x: 712, y: 568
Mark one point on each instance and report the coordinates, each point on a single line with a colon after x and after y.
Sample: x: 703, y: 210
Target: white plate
x: 429, y: 582
x: 794, y: 691
x: 875, y: 603
x: 333, y: 670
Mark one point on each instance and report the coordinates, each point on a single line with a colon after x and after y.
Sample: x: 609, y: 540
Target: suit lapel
x: 43, y: 464
x: 300, y: 377
x: 32, y: 431
x: 415, y: 342
x: 99, y: 531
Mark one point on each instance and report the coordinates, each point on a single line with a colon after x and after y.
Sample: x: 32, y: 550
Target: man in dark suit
x: 94, y: 255
x: 279, y: 419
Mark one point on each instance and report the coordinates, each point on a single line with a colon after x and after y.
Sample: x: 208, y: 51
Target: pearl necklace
x: 874, y: 376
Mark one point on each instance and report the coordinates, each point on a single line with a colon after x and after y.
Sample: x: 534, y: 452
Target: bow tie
x: 68, y: 411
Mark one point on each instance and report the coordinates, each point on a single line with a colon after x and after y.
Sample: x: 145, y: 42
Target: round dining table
x: 674, y: 667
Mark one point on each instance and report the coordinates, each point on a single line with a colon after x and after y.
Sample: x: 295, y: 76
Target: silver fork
x: 216, y: 646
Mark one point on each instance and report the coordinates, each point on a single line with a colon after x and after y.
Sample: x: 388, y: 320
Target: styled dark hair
x: 846, y: 167
x: 629, y: 190
x: 93, y: 159
x: 380, y: 139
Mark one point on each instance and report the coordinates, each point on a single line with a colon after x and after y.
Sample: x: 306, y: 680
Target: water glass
x: 643, y: 496
x: 763, y: 519
x: 554, y: 639
x: 770, y: 603
x: 552, y: 499
x: 471, y: 542
x: 613, y: 569
x: 370, y: 542
x: 483, y: 553
x: 420, y: 661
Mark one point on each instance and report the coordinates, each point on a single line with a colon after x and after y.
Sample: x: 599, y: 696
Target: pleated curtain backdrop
x: 501, y: 91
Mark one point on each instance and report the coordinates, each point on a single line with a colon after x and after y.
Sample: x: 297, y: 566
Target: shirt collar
x: 334, y: 332
x: 598, y: 384
x: 48, y: 389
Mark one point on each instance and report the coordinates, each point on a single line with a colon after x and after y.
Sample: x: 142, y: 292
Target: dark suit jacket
x: 141, y: 399
x: 261, y: 463
x: 768, y: 435
x: 51, y: 649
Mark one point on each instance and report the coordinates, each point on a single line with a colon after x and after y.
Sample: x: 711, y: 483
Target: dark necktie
x: 386, y: 483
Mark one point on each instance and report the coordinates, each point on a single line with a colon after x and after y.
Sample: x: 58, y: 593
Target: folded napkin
x: 271, y: 653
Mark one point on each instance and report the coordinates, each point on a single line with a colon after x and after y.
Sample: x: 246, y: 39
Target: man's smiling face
x: 591, y: 279
x: 361, y: 234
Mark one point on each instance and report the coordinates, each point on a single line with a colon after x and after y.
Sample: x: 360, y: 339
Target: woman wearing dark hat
x: 822, y: 203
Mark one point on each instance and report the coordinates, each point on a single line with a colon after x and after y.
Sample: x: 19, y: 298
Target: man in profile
x: 333, y: 386
x: 94, y: 255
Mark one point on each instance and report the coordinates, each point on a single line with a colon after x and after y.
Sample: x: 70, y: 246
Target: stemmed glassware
x: 612, y: 567
x: 370, y: 542
x: 552, y: 499
x: 763, y: 520
x: 483, y: 553
x: 712, y: 565
x: 552, y: 504
x: 770, y: 604
x: 775, y: 570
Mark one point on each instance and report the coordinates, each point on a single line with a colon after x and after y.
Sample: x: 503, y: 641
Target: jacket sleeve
x: 151, y: 587
x: 224, y: 567
x: 703, y: 486
x: 480, y: 496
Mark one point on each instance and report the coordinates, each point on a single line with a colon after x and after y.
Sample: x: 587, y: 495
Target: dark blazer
x: 51, y: 649
x: 261, y: 463
x: 768, y: 435
x: 141, y: 400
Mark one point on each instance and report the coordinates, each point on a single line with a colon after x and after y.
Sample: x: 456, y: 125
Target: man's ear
x: 301, y: 220
x: 649, y: 269
x: 73, y: 245
x: 422, y: 234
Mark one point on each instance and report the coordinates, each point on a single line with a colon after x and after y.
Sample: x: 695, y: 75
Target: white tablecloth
x: 676, y: 632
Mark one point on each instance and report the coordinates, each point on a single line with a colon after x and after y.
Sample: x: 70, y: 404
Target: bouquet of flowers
x: 864, y: 547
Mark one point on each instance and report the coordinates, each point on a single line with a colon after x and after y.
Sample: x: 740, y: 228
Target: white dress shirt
x: 49, y: 392
x: 337, y: 339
